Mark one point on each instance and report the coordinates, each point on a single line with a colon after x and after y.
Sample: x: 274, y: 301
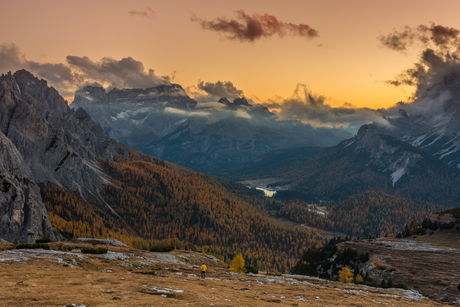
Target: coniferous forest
x: 150, y: 202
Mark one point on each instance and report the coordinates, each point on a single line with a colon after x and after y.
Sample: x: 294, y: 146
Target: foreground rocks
x: 124, y: 277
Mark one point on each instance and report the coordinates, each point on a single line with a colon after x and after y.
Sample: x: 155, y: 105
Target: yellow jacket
x: 204, y: 267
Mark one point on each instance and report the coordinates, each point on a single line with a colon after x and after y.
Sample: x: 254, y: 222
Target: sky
x: 331, y: 49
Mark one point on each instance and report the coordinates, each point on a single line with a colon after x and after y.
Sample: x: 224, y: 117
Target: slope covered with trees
x: 159, y: 203
x: 364, y: 214
x: 372, y: 161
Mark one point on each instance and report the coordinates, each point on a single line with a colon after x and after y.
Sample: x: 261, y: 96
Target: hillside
x: 377, y: 162
x: 126, y: 276
x: 152, y: 202
x: 93, y: 186
x: 364, y: 214
x: 423, y: 257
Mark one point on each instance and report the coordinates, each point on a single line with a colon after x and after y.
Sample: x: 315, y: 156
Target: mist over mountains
x: 165, y: 122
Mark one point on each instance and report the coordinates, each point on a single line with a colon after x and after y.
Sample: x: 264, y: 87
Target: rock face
x: 59, y: 144
x: 386, y: 153
x: 23, y: 216
x: 42, y: 140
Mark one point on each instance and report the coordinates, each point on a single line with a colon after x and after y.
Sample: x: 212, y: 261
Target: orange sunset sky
x: 344, y: 62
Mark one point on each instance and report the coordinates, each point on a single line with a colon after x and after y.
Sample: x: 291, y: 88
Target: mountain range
x: 62, y: 177
x: 163, y: 121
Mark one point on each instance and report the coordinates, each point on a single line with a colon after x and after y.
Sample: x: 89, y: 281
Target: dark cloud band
x: 78, y: 71
x: 253, y: 27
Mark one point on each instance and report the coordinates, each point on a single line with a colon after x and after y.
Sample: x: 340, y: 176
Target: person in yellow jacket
x: 203, y: 270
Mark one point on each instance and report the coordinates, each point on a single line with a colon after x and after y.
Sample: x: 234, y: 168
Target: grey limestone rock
x: 23, y: 216
x: 59, y: 144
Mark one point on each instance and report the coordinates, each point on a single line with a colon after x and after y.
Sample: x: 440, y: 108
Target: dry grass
x: 433, y: 269
x: 95, y: 281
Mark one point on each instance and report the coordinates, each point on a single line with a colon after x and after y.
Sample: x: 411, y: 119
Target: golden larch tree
x: 238, y: 264
x: 345, y: 275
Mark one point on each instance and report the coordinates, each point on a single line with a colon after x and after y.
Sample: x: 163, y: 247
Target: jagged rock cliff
x: 59, y: 144
x: 23, y: 216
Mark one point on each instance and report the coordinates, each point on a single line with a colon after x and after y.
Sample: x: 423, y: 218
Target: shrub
x: 400, y: 286
x: 149, y: 273
x: 251, y: 269
x: 65, y: 265
x: 65, y: 248
x: 273, y: 274
x: 97, y: 251
x: 43, y: 240
x: 33, y: 246
x: 162, y: 249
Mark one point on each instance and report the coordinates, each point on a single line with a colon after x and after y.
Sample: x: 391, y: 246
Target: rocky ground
x: 428, y: 263
x: 124, y: 277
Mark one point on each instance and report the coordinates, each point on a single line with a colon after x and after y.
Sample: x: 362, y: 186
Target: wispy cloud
x: 147, y: 13
x: 424, y: 35
x: 248, y: 28
x: 310, y: 108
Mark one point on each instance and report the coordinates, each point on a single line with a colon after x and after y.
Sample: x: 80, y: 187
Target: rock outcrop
x: 23, y: 216
x: 59, y: 144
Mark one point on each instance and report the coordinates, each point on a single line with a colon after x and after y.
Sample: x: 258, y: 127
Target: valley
x: 277, y: 142
x: 263, y: 185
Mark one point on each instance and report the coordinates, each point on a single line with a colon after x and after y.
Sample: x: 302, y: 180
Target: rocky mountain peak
x: 224, y: 100
x: 91, y: 93
x: 58, y: 144
x: 241, y: 102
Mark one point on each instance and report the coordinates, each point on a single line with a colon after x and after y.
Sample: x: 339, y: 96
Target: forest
x: 364, y: 214
x: 156, y: 203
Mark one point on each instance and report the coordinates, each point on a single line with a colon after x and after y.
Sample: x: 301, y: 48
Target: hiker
x: 203, y: 270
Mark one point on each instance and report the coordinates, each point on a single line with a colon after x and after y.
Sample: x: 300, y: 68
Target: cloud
x: 435, y: 75
x: 310, y: 108
x: 186, y: 113
x: 147, y: 13
x: 242, y: 113
x: 211, y: 92
x: 253, y: 27
x: 438, y: 66
x: 423, y: 35
x: 79, y: 71
x: 124, y: 73
x: 10, y: 57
